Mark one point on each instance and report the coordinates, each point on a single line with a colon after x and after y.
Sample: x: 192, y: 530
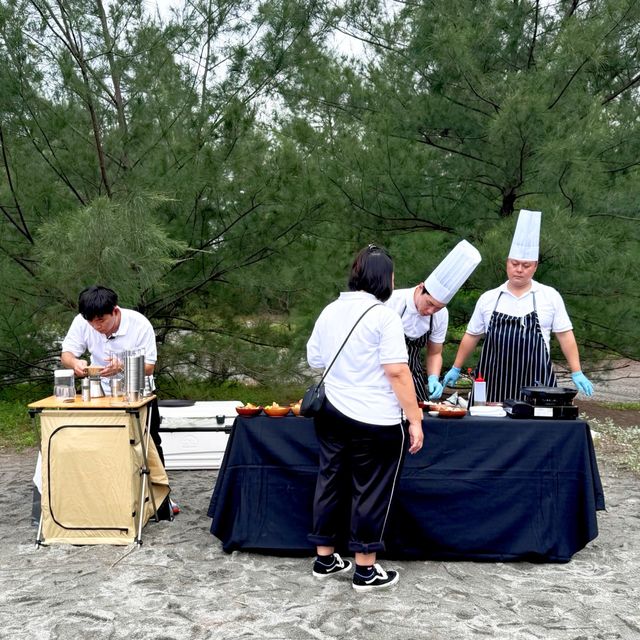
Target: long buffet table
x: 495, y: 489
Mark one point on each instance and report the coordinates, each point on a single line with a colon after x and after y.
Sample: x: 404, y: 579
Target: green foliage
x: 469, y: 111
x: 631, y: 406
x: 623, y: 443
x: 118, y: 244
x: 16, y: 427
x: 226, y: 198
x: 189, y: 389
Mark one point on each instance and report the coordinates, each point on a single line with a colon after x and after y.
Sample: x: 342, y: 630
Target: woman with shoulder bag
x: 360, y: 431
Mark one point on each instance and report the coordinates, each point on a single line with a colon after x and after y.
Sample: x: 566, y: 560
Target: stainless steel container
x: 95, y: 387
x: 117, y: 387
x: 85, y: 386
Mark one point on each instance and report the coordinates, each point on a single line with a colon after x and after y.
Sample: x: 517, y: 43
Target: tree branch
x: 634, y: 81
x: 530, y: 60
x: 22, y: 227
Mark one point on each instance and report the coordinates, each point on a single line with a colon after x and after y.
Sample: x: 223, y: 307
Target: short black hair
x: 95, y: 301
x: 372, y: 271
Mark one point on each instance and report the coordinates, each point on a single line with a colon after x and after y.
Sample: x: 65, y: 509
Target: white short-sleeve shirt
x: 552, y: 313
x: 414, y: 324
x: 134, y: 332
x: 356, y: 384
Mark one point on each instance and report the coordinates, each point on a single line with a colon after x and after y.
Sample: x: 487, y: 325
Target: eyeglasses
x: 372, y: 247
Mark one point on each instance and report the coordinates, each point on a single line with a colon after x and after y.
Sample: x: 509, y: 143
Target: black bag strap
x: 378, y: 304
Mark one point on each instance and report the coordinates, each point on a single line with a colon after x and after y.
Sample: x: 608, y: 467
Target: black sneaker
x: 379, y: 579
x: 337, y: 565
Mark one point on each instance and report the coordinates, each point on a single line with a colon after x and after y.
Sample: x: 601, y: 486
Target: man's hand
x: 451, y: 377
x: 582, y: 383
x: 80, y: 368
x: 435, y: 388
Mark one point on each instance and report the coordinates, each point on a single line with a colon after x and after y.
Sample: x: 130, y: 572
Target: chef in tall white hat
x: 516, y: 320
x: 425, y: 316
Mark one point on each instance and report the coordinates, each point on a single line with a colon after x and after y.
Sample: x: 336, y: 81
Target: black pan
x: 549, y: 396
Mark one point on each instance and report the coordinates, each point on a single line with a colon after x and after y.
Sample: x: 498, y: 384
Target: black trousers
x: 154, y: 427
x: 359, y: 470
x: 164, y: 510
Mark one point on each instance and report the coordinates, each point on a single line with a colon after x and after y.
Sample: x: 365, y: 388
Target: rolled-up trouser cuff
x: 321, y: 541
x: 361, y: 547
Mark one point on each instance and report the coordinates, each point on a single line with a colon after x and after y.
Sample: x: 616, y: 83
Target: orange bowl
x: 454, y: 412
x: 295, y: 409
x: 277, y: 412
x: 248, y: 411
x: 429, y: 405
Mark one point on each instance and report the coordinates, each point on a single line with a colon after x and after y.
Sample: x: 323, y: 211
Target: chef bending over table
x: 425, y: 317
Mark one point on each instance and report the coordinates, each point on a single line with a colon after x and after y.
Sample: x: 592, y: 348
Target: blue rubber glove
x: 435, y: 388
x: 451, y: 377
x: 582, y: 383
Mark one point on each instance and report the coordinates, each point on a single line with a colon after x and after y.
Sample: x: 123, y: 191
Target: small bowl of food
x: 274, y: 410
x: 434, y: 414
x: 248, y: 410
x: 295, y: 407
x: 433, y: 406
x: 94, y: 370
x: 452, y: 412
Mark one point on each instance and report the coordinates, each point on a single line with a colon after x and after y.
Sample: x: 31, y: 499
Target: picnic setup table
x: 102, y: 478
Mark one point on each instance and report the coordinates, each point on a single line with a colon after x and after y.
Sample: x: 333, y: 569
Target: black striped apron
x: 514, y: 355
x: 416, y: 360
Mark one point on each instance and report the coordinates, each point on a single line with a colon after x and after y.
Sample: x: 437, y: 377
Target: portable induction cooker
x: 543, y: 402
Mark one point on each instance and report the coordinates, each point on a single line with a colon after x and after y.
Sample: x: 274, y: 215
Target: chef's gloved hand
x: 435, y: 388
x: 582, y: 383
x: 451, y: 377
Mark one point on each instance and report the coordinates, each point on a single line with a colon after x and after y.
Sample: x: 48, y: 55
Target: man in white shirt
x: 425, y: 317
x: 517, y: 319
x: 102, y: 328
x: 425, y: 322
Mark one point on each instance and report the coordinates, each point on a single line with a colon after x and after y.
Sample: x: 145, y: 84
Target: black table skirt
x: 481, y: 489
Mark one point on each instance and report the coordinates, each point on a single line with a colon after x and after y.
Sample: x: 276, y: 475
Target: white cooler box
x: 193, y: 436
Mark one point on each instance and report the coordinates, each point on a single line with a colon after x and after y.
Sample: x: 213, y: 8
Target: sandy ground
x: 180, y: 584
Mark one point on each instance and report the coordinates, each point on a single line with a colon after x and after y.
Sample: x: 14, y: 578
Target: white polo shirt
x: 356, y: 384
x: 134, y: 332
x: 552, y: 313
x: 414, y: 324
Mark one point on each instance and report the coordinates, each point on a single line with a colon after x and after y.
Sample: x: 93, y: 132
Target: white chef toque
x: 526, y: 238
x: 445, y: 280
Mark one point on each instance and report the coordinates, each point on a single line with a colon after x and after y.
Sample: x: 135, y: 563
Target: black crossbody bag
x: 314, y: 396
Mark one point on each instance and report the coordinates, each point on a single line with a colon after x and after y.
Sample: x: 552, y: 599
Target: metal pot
x: 549, y: 396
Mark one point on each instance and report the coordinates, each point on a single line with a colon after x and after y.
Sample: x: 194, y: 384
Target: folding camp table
x: 102, y: 478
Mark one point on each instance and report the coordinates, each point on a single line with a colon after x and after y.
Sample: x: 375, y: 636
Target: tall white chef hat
x: 445, y: 280
x: 526, y: 238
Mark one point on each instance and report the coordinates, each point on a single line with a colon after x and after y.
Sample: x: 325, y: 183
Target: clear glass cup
x: 64, y: 385
x: 64, y: 392
x: 115, y: 358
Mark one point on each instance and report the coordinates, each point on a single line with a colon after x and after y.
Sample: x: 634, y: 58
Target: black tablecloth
x: 481, y: 488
